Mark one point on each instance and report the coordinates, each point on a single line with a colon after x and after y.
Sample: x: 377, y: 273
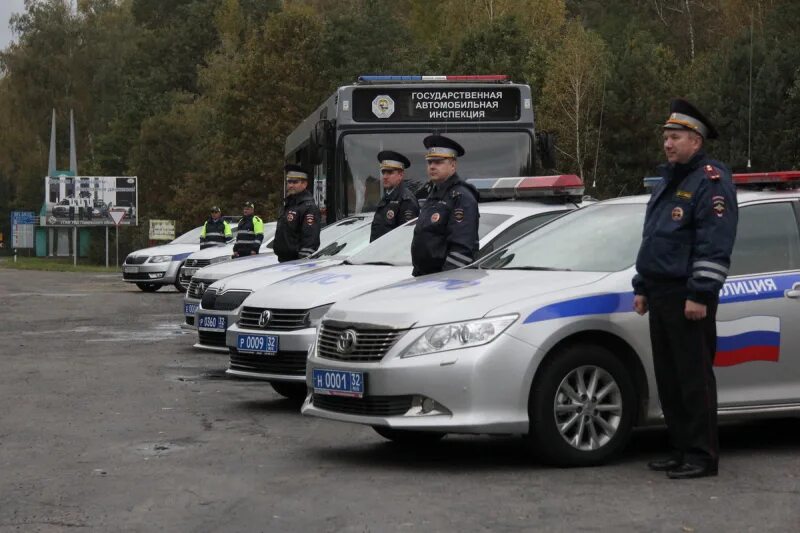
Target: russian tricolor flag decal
x: 755, y: 338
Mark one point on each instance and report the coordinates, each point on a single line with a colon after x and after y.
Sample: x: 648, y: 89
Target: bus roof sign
x: 436, y: 104
x: 406, y: 79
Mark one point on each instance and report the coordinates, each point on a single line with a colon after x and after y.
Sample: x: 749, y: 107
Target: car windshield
x: 347, y: 244
x: 497, y: 155
x: 394, y: 248
x: 190, y: 237
x: 598, y: 238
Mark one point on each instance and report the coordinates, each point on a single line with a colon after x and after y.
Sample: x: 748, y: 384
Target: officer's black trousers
x: 683, y: 357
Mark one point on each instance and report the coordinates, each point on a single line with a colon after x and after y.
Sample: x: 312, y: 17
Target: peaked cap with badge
x: 441, y: 147
x: 390, y: 160
x: 685, y: 116
x: 295, y: 172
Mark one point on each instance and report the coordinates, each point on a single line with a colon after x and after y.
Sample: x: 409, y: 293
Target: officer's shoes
x: 690, y: 471
x: 664, y: 465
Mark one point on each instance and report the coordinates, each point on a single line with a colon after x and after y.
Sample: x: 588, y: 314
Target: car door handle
x: 794, y: 292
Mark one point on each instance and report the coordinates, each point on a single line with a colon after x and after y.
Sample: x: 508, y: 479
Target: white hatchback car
x: 540, y: 338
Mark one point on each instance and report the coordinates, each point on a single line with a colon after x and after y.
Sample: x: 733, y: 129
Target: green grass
x: 53, y: 264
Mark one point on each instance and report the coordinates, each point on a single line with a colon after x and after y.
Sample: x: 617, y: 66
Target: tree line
x: 196, y: 97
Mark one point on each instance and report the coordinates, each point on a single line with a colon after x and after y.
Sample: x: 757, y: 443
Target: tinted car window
x: 767, y: 239
x: 347, y: 244
x: 517, y: 230
x: 598, y: 238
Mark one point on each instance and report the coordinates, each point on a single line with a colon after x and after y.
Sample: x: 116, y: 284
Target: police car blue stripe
x: 739, y: 290
x: 178, y: 257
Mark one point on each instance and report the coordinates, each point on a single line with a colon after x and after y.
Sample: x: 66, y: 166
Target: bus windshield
x: 499, y: 154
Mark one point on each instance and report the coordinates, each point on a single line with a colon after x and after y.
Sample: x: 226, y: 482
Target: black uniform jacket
x: 446, y: 234
x: 397, y: 207
x: 249, y: 235
x: 689, y: 230
x: 297, y: 233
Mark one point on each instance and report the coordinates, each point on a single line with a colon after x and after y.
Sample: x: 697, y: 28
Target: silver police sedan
x: 541, y: 339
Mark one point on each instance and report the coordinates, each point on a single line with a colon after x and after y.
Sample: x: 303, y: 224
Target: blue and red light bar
x: 396, y: 79
x: 768, y: 178
x: 564, y: 185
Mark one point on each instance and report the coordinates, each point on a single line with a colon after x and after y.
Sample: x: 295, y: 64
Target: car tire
x: 570, y: 423
x: 148, y: 287
x: 408, y: 436
x: 294, y: 391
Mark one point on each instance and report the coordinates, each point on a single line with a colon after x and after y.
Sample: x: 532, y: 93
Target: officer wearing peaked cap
x: 250, y: 232
x: 297, y: 232
x: 398, y: 204
x: 446, y: 233
x: 688, y: 236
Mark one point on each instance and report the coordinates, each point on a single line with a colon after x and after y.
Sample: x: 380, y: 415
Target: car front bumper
x: 483, y: 389
x: 288, y: 364
x: 213, y: 339
x: 162, y: 273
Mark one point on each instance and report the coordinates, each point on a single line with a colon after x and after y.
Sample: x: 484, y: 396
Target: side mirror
x: 546, y: 146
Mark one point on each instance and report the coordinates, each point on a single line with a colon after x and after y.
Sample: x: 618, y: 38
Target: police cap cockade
x: 390, y: 160
x: 295, y: 172
x: 685, y: 116
x: 441, y: 147
x: 248, y: 204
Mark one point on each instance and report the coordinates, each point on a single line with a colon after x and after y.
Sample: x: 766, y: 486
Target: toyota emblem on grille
x: 347, y: 341
x: 263, y: 319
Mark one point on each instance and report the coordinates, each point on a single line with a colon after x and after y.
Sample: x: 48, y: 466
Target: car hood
x: 177, y: 251
x: 266, y: 275
x: 236, y: 266
x: 213, y: 252
x: 454, y: 296
x: 327, y: 285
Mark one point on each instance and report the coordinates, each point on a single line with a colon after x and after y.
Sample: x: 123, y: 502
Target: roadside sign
x: 162, y: 230
x: 22, y: 224
x: 117, y: 215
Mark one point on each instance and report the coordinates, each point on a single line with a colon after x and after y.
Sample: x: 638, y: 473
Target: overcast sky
x: 7, y: 7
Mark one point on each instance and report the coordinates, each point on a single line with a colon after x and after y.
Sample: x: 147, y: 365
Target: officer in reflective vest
x: 398, y: 204
x: 688, y: 236
x: 216, y: 230
x: 446, y: 233
x: 297, y: 232
x: 250, y: 233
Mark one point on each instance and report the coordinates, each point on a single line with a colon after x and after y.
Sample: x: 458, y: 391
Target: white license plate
x: 338, y: 383
x: 217, y: 323
x: 258, y: 344
x: 189, y: 272
x: 130, y: 269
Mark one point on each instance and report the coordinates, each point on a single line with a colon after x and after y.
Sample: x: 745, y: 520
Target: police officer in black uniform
x: 398, y: 204
x: 250, y: 232
x: 446, y: 234
x: 688, y: 236
x: 297, y: 233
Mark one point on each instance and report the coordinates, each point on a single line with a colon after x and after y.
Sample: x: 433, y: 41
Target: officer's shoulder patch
x: 712, y: 172
x: 310, y: 219
x: 684, y: 195
x: 409, y: 214
x: 458, y: 214
x: 390, y: 214
x: 718, y: 205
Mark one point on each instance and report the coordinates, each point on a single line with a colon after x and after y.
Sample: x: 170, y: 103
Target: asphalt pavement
x: 111, y: 421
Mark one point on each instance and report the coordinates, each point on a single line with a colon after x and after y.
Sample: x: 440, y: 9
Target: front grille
x: 195, y: 291
x: 136, y: 259
x: 279, y: 320
x: 227, y: 301
x: 190, y: 320
x: 283, y: 363
x: 211, y: 338
x: 370, y: 345
x: 197, y: 263
x: 367, y: 406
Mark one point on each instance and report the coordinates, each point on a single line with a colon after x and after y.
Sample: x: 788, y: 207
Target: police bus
x: 490, y: 116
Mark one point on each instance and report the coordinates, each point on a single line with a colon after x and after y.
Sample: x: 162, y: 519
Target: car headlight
x: 457, y: 335
x: 220, y: 259
x: 314, y: 316
x: 160, y: 259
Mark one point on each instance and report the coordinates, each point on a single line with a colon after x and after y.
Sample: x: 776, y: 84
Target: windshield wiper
x: 533, y: 268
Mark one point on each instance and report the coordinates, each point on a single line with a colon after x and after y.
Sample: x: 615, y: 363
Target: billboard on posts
x: 88, y: 200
